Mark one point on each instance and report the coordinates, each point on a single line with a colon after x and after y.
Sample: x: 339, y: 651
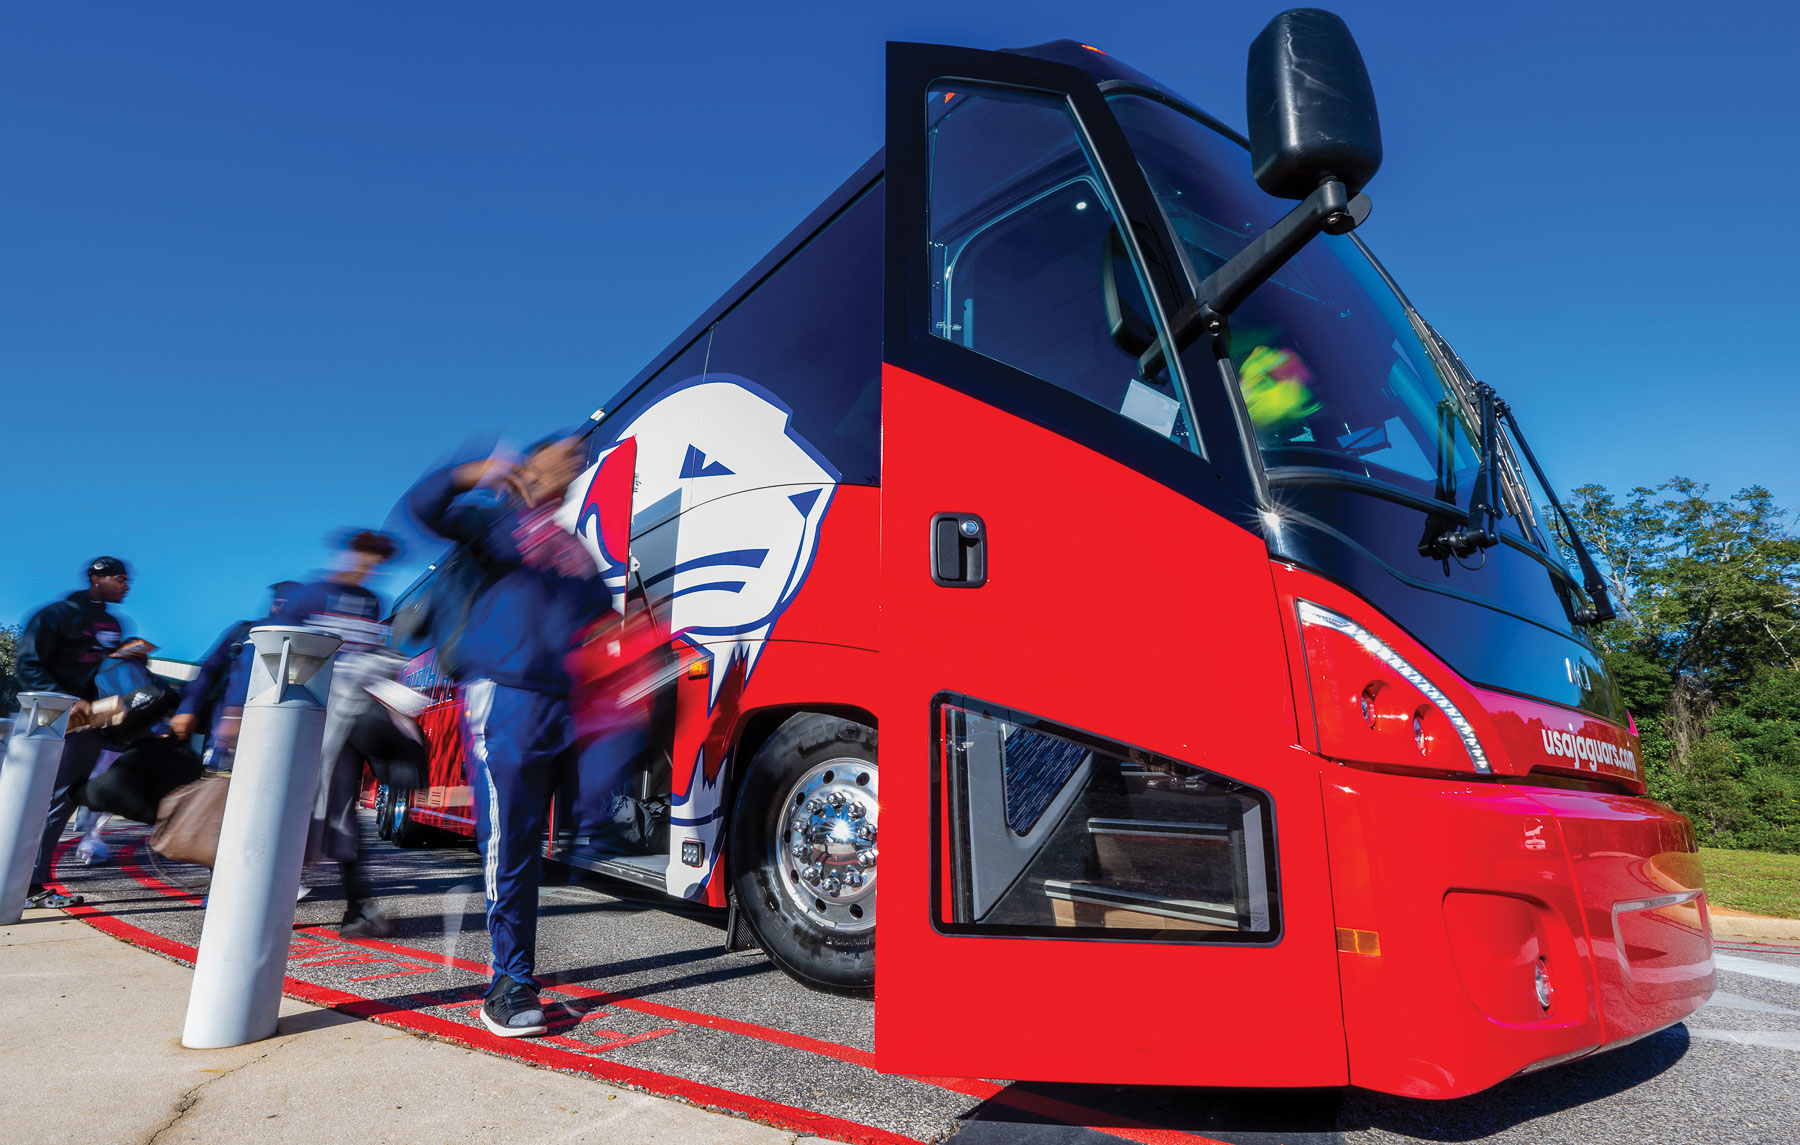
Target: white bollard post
x: 33, y: 752
x: 250, y: 907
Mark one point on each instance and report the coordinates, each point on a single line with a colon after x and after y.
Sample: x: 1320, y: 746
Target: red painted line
x: 145, y: 879
x: 602, y: 1047
x: 563, y: 1017
x: 397, y: 974
x: 535, y: 1052
x: 629, y: 1040
x: 125, y: 932
x: 1131, y: 1130
x: 656, y: 1009
x: 322, y: 958
x: 772, y: 1113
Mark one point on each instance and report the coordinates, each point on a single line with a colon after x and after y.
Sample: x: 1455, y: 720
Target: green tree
x: 9, y: 662
x: 1706, y: 650
x: 1704, y: 588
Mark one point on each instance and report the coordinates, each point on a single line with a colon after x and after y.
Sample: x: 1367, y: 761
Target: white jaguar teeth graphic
x: 725, y: 514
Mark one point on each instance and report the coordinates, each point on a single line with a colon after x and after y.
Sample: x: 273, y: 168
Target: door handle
x: 958, y: 550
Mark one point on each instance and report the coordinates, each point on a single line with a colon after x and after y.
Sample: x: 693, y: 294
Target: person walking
x: 541, y: 590
x: 214, y: 701
x: 139, y: 764
x: 61, y: 649
x: 342, y: 604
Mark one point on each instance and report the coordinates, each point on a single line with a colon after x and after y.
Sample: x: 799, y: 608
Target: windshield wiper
x: 1485, y: 504
x: 1486, y: 507
x: 1591, y: 579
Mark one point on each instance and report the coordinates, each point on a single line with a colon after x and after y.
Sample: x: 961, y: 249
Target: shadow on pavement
x: 1518, y: 1099
x: 312, y: 1020
x: 1038, y: 1114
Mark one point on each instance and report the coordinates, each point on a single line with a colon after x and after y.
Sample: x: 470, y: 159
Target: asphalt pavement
x: 647, y: 998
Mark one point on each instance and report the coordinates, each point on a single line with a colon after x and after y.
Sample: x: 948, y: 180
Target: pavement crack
x: 191, y: 1098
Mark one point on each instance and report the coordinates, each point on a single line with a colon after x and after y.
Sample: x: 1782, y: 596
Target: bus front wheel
x: 803, y: 849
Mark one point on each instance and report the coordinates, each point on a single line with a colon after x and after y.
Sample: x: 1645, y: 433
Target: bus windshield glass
x: 1332, y: 371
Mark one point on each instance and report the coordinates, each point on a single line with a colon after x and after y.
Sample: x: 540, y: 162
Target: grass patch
x: 1755, y: 881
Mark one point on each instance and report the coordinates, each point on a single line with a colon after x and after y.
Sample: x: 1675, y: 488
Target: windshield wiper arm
x: 1591, y: 579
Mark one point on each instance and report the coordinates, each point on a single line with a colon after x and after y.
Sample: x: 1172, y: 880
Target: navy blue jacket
x: 224, y: 675
x: 526, y: 619
x: 64, y: 643
x: 219, y: 685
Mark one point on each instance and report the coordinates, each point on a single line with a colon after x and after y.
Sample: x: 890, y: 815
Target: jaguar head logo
x: 726, y: 500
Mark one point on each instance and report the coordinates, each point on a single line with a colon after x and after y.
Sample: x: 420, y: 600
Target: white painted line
x: 1770, y: 1039
x: 1738, y: 1002
x: 573, y: 894
x: 1738, y: 964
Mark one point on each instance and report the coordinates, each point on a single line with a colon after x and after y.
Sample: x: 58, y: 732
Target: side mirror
x: 1310, y: 107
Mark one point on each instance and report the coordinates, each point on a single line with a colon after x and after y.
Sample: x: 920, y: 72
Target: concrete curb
x: 1739, y: 926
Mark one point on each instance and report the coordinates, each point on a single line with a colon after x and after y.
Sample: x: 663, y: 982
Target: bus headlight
x: 1372, y: 706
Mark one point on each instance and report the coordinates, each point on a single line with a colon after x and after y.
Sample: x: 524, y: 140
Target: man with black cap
x: 63, y: 646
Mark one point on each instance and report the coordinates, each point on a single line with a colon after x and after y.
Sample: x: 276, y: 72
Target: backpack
x: 438, y: 615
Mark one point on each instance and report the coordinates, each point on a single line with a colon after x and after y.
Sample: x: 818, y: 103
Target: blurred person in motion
x: 138, y: 763
x: 539, y: 589
x: 342, y: 604
x: 214, y: 701
x: 61, y: 650
x: 617, y: 668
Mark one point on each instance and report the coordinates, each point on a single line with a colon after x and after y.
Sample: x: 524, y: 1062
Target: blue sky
x: 239, y: 236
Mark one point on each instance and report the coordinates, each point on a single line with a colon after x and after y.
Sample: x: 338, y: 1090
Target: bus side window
x: 1024, y: 245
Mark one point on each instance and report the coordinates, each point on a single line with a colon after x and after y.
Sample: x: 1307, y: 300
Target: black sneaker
x: 54, y: 900
x: 512, y: 1009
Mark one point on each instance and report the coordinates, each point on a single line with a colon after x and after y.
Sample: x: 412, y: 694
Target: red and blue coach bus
x: 1109, y: 563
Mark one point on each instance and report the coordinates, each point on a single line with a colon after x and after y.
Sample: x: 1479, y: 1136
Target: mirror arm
x: 1329, y: 210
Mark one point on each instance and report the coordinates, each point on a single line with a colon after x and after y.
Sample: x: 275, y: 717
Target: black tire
x: 803, y: 947
x: 384, y: 812
x: 407, y: 833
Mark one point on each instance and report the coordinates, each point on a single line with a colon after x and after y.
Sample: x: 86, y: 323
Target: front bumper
x: 1464, y: 899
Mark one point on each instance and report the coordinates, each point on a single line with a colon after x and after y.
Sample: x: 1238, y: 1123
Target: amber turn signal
x: 1358, y: 941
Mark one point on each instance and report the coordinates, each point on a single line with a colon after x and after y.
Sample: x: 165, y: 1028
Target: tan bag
x: 188, y: 819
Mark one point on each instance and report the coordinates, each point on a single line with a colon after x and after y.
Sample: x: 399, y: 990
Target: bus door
x: 1101, y: 853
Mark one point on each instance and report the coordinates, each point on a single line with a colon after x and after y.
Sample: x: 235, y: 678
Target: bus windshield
x: 1333, y: 371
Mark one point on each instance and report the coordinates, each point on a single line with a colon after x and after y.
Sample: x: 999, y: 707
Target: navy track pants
x: 519, y: 745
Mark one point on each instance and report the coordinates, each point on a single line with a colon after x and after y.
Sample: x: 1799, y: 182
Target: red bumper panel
x: 1644, y: 907
x: 1499, y: 928
x: 1465, y: 887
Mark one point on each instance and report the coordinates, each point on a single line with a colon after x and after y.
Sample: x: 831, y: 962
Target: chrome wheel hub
x: 824, y: 837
